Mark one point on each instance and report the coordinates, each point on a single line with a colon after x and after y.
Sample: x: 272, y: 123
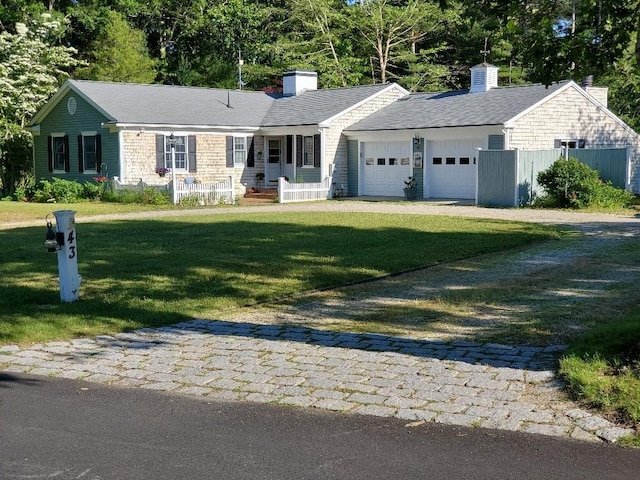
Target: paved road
x: 66, y: 429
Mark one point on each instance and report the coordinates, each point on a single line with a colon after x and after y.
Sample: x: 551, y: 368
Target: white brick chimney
x: 294, y: 82
x: 484, y: 76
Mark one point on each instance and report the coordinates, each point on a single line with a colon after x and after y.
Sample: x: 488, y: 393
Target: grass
x: 18, y: 212
x: 152, y: 272
x: 602, y: 369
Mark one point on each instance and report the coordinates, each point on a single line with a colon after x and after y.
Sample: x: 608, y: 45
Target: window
x: 89, y: 152
x: 393, y: 161
x: 382, y: 161
x: 437, y: 160
x: 180, y: 153
x: 239, y: 150
x: 464, y: 161
x: 307, y: 154
x: 561, y: 143
x: 451, y: 160
x: 59, y: 153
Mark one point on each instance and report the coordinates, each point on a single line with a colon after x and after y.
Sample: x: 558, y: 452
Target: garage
x: 451, y: 168
x: 386, y: 165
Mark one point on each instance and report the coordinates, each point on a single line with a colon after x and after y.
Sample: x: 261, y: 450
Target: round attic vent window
x: 71, y: 105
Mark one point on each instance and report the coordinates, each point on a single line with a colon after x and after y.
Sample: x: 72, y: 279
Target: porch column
x: 323, y: 154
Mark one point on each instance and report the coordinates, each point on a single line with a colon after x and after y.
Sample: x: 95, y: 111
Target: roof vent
x: 294, y: 82
x: 484, y: 76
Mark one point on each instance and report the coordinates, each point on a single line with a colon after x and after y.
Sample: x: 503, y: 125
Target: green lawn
x: 14, y: 212
x: 142, y: 273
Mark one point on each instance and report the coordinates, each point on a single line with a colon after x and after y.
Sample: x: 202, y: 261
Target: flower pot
x: 410, y: 193
x: 161, y: 174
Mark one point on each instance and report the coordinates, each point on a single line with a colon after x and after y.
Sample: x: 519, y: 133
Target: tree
x: 32, y: 66
x: 391, y: 30
x: 119, y: 54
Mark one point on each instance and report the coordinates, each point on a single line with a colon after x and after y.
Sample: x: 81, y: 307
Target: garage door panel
x: 385, y: 179
x: 452, y: 180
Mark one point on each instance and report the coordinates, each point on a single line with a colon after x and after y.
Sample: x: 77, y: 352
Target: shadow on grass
x: 157, y: 272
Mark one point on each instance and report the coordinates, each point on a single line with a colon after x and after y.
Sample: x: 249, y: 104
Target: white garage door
x: 386, y: 167
x: 451, y: 168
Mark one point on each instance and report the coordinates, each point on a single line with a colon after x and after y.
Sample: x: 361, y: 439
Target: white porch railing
x: 211, y: 193
x: 303, y: 192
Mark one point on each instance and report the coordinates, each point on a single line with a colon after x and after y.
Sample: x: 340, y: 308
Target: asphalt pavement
x: 69, y: 429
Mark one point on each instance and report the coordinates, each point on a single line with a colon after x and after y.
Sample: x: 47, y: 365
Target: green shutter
x: 289, y: 149
x: 299, y: 144
x: 67, y: 163
x: 50, y: 152
x: 229, y: 152
x: 191, y: 145
x: 250, y: 155
x: 80, y: 152
x: 160, y: 151
x: 316, y: 150
x: 98, y: 153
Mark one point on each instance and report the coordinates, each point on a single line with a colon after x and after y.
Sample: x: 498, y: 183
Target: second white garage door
x: 386, y: 166
x: 451, y: 168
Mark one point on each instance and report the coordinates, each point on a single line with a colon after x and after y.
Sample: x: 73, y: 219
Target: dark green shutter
x: 160, y: 151
x: 229, y: 152
x: 67, y: 163
x: 98, y: 153
x: 192, y: 153
x: 316, y: 150
x: 289, y: 149
x: 251, y: 162
x: 50, y: 152
x: 299, y: 144
x: 80, y: 151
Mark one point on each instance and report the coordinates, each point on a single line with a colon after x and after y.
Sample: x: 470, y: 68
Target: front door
x: 274, y: 163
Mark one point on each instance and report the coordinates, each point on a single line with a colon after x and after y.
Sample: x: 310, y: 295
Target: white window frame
x: 181, y: 153
x: 308, y: 153
x: 239, y: 151
x: 84, y: 152
x: 55, y: 136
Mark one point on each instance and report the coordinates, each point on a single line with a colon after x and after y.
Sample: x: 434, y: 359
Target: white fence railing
x: 211, y: 193
x: 303, y: 192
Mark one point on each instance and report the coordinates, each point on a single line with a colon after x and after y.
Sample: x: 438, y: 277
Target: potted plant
x: 162, y: 171
x: 259, y: 178
x: 410, y: 188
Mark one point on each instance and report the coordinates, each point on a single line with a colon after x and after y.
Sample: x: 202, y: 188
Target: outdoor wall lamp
x: 53, y: 240
x: 259, y: 155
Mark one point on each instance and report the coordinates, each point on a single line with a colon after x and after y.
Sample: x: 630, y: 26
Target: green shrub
x: 146, y: 195
x: 569, y: 183
x: 56, y: 191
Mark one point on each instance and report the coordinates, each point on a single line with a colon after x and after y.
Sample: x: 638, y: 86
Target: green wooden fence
x: 508, y: 178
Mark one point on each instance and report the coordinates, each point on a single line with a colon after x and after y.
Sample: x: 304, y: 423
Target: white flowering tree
x: 33, y: 64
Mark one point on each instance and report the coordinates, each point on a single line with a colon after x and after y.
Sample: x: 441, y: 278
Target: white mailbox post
x: 66, y: 246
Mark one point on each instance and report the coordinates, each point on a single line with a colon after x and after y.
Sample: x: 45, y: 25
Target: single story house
x: 367, y: 139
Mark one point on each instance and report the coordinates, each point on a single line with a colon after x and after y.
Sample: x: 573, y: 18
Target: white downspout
x: 123, y: 178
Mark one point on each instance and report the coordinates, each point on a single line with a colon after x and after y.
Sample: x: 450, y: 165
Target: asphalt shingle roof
x: 174, y: 105
x: 456, y: 109
x: 315, y: 106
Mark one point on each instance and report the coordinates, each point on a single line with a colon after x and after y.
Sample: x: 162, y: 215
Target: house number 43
x: 71, y: 238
